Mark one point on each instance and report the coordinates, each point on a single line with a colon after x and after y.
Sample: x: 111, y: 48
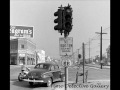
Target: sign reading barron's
x: 21, y: 31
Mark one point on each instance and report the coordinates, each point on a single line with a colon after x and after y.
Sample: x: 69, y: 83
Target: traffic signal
x: 67, y: 20
x: 79, y: 56
x: 58, y: 20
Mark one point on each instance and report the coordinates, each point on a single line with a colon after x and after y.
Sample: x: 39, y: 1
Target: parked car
x: 45, y: 73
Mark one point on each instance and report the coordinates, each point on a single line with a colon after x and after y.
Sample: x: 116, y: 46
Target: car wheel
x: 20, y: 77
x: 31, y: 83
x: 63, y: 78
x: 49, y: 82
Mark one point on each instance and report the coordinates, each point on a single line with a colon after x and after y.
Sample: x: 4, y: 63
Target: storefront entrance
x: 21, y: 60
x: 13, y: 59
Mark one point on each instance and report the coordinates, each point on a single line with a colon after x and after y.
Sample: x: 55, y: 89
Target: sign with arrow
x: 66, y: 46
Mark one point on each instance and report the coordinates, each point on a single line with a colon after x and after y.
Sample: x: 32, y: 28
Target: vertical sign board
x: 21, y: 31
x: 66, y: 46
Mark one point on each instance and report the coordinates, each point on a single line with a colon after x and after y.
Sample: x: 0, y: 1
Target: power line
x: 106, y: 29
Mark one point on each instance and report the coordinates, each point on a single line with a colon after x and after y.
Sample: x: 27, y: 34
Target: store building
x: 22, y: 51
x: 40, y: 56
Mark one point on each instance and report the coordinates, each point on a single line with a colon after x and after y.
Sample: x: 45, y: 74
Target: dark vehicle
x: 45, y: 73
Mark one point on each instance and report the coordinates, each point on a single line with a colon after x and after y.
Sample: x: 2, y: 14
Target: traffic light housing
x: 58, y: 20
x: 67, y: 20
x: 64, y: 20
x: 79, y: 56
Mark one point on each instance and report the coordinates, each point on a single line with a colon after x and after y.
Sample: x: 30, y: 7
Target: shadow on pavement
x: 13, y: 79
x: 26, y: 84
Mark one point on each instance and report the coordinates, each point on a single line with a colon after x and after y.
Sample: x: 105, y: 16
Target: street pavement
x: 93, y: 85
x: 95, y: 76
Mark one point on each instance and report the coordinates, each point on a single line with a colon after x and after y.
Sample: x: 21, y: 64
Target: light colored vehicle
x: 23, y: 74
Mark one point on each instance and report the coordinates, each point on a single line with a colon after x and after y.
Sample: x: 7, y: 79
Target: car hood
x: 37, y: 72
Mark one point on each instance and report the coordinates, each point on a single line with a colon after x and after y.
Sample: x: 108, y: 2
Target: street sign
x: 66, y: 46
x: 66, y: 63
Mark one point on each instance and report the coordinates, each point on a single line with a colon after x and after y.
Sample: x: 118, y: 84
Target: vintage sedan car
x: 45, y: 73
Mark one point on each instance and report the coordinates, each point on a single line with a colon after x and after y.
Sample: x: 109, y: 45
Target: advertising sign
x: 66, y: 46
x: 21, y: 31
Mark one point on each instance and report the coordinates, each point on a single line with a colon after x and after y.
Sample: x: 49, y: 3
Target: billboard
x: 21, y: 31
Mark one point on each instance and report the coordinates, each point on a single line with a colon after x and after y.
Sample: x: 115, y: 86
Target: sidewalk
x: 18, y: 66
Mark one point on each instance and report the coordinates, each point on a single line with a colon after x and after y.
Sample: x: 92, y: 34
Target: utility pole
x: 78, y: 57
x: 83, y: 60
x: 101, y: 62
x: 89, y: 50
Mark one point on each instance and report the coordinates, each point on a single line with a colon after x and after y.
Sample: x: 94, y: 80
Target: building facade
x: 22, y: 51
x: 40, y: 56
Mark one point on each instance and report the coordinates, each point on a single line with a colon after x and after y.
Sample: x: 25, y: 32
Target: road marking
x: 13, y: 81
x: 95, y: 67
x: 98, y: 80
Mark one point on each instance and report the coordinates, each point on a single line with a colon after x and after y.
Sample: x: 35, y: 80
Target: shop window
x: 22, y: 46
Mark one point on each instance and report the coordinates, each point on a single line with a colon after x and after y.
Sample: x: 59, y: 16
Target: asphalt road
x: 93, y: 74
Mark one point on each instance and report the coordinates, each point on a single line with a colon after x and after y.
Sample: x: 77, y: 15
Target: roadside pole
x: 66, y: 74
x: 83, y: 60
x: 101, y: 61
x: 66, y: 50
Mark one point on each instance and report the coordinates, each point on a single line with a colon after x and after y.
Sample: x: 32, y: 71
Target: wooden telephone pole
x: 83, y: 60
x: 101, y: 61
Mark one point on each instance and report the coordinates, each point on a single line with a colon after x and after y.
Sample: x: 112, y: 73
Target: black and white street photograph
x: 60, y: 45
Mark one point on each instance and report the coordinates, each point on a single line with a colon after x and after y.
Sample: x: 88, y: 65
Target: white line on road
x: 95, y: 67
x: 98, y: 80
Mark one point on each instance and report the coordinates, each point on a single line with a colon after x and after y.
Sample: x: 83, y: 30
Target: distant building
x: 40, y: 56
x: 48, y: 59
x: 22, y: 51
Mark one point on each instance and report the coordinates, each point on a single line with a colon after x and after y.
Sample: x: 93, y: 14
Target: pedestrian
x: 24, y: 68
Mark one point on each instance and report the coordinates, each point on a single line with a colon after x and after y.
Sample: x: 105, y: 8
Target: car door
x: 52, y: 70
x: 57, y: 71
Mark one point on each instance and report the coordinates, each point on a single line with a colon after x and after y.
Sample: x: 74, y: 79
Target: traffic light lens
x: 68, y: 25
x: 56, y: 14
x: 68, y: 10
x: 56, y: 21
x: 67, y: 17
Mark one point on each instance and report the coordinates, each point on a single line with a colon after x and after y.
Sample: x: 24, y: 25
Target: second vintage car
x: 45, y: 73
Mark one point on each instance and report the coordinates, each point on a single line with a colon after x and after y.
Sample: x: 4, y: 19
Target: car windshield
x: 42, y: 66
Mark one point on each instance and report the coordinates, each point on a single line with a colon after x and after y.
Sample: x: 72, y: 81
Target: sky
x: 88, y: 17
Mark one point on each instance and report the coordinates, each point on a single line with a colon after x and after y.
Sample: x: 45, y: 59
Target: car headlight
x: 44, y: 76
x: 26, y: 76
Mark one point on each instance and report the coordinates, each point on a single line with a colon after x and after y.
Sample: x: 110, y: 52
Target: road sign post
x: 66, y: 76
x: 66, y: 49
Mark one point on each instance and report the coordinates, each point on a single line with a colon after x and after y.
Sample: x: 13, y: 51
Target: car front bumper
x: 28, y: 80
